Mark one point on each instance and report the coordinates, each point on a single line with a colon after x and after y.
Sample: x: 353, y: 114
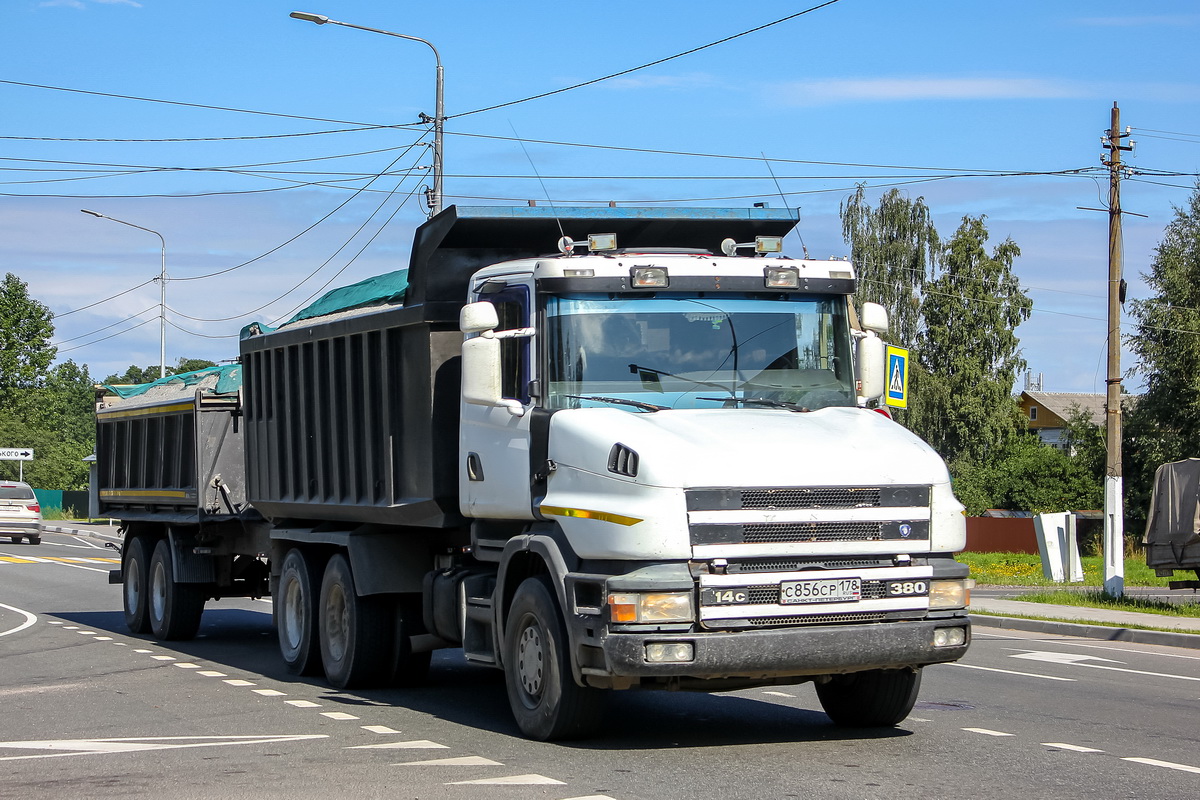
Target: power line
x: 105, y: 300
x: 106, y: 327
x: 199, y: 138
x: 106, y: 338
x: 650, y: 64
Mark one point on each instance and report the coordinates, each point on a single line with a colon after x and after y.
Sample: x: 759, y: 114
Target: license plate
x: 829, y: 590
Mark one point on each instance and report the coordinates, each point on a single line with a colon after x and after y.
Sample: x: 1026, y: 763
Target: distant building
x: 1048, y: 412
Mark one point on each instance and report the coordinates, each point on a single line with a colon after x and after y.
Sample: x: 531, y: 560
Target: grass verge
x: 1024, y: 569
x: 1098, y: 598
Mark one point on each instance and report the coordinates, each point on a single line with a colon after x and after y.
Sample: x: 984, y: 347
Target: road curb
x: 1164, y: 638
x: 80, y: 532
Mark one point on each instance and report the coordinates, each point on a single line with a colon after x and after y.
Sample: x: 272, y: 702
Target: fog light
x: 670, y: 652
x: 949, y: 637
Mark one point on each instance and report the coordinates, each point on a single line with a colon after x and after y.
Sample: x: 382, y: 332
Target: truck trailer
x: 596, y: 448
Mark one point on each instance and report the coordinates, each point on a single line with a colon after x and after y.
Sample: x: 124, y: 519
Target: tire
x: 295, y: 611
x: 355, y: 632
x: 35, y: 539
x: 546, y: 702
x: 174, y: 608
x: 135, y: 573
x: 875, y: 699
x: 15, y: 539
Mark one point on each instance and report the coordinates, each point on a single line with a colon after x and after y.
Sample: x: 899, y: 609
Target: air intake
x: 622, y: 461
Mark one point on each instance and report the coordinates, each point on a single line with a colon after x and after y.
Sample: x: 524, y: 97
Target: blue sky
x: 877, y: 91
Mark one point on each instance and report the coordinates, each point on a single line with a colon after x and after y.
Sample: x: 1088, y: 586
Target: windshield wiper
x: 760, y: 401
x: 619, y: 401
x: 637, y: 369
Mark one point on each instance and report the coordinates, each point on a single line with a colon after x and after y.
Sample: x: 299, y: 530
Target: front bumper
x: 789, y: 652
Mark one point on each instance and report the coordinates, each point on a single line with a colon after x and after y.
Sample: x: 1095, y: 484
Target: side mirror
x: 875, y: 318
x: 477, y: 318
x: 870, y: 364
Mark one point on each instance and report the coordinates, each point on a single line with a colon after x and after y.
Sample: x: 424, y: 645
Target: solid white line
x: 1072, y: 747
x: 1012, y: 672
x: 29, y: 620
x: 987, y: 732
x: 1154, y: 762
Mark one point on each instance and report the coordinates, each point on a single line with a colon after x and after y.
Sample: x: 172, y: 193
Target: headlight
x: 950, y: 594
x: 651, y: 607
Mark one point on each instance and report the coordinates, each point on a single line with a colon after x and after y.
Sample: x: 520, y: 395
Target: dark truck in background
x: 647, y: 465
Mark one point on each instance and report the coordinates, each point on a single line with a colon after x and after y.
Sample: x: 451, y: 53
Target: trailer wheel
x: 296, y: 614
x: 545, y: 700
x: 134, y: 574
x: 174, y: 608
x: 355, y: 632
x: 875, y: 699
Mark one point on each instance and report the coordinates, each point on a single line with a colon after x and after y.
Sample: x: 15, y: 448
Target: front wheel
x: 878, y: 698
x: 545, y: 699
x: 174, y: 607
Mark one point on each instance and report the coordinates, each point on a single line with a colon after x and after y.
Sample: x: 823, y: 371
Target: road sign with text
x: 16, y: 454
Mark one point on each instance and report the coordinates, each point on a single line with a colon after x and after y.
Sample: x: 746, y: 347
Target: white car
x: 20, y: 514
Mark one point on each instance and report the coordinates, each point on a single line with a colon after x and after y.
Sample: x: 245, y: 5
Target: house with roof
x: 1049, y: 412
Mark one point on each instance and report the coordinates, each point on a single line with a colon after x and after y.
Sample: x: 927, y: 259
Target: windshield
x: 728, y: 350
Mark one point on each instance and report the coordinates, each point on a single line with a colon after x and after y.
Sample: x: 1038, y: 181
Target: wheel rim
x: 158, y: 591
x: 337, y: 622
x: 133, y: 585
x: 293, y: 614
x: 531, y: 658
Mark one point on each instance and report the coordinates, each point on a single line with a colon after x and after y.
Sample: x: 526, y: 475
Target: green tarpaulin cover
x: 229, y: 380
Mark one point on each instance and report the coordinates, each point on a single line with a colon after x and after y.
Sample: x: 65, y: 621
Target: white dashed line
x: 515, y: 780
x: 461, y: 761
x: 104, y: 638
x: 337, y: 715
x: 270, y: 692
x: 211, y: 673
x: 987, y: 732
x: 1154, y: 762
x: 302, y: 703
x: 86, y: 633
x: 163, y: 658
x: 54, y: 623
x: 1072, y: 747
x: 143, y: 651
x: 592, y: 797
x: 379, y: 729
x: 240, y: 682
x: 422, y: 744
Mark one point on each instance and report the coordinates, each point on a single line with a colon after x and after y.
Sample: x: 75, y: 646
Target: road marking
x: 302, y: 703
x: 104, y: 638
x: 163, y: 658
x: 269, y: 692
x: 186, y: 665
x: 1154, y: 762
x: 779, y: 694
x: 240, y: 682
x: 87, y: 747
x: 211, y: 673
x: 86, y: 633
x: 143, y: 651
x: 917, y: 719
x: 592, y: 797
x: 514, y: 780
x: 16, y: 559
x: 1072, y: 747
x: 337, y: 715
x: 379, y: 729
x: 1073, y: 660
x: 29, y: 620
x: 1012, y: 672
x: 987, y: 732
x: 461, y: 761
x: 422, y: 744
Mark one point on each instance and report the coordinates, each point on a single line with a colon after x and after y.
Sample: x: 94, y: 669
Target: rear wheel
x: 545, y: 699
x: 876, y: 699
x: 355, y: 632
x: 134, y: 577
x: 174, y: 608
x: 35, y: 539
x: 15, y: 539
x: 296, y: 614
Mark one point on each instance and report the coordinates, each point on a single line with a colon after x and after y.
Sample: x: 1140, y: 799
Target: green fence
x: 73, y: 503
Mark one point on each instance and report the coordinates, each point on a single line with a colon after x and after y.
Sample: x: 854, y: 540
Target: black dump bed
x: 353, y: 417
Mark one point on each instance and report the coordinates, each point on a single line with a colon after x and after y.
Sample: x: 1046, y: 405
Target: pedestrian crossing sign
x: 896, y: 395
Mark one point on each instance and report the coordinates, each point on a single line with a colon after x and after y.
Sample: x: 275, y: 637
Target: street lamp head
x: 93, y: 213
x: 319, y: 19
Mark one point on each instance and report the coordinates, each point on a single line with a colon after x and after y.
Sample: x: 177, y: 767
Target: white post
x: 1114, y: 537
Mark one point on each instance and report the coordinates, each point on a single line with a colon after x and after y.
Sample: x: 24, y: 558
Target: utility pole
x: 1114, y: 505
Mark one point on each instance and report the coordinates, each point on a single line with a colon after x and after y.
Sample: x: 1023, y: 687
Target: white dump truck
x: 599, y: 449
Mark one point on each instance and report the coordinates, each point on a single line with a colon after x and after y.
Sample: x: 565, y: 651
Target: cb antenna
x: 539, y: 177
x: 783, y: 197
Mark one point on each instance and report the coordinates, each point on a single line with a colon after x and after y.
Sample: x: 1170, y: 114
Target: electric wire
x: 106, y: 299
x: 106, y: 338
x: 106, y: 327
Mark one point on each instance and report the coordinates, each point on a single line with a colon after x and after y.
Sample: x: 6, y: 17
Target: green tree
x: 893, y: 247
x: 135, y: 374
x: 968, y: 350
x: 56, y: 419
x: 1027, y: 476
x: 1164, y: 424
x: 26, y: 327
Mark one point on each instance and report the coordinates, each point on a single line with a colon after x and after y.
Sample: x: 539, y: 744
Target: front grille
x: 797, y: 564
x: 813, y: 532
x: 810, y: 498
x: 826, y: 619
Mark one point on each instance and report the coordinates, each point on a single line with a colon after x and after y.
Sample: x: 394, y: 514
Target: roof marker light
x: 648, y: 277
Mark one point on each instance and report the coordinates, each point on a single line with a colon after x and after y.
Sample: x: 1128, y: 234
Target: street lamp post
x: 439, y: 112
x: 162, y: 283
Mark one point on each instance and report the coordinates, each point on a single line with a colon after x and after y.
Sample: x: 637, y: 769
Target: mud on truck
x: 598, y: 449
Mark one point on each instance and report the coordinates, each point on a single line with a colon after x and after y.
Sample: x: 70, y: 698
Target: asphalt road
x: 87, y: 710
